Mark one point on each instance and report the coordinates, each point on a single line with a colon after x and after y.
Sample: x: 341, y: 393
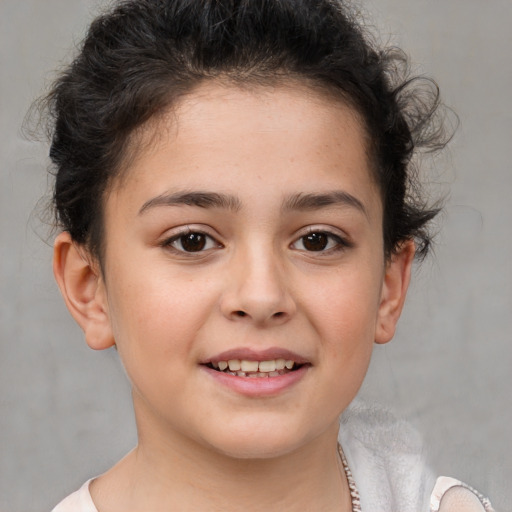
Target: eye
x: 191, y: 241
x: 319, y: 241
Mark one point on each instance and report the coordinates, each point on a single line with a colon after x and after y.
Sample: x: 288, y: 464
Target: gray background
x: 65, y: 412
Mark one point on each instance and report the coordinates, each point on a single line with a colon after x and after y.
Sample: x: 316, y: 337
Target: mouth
x: 257, y: 373
x: 265, y: 369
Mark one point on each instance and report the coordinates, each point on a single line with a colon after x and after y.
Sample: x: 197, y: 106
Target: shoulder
x: 386, y: 457
x: 451, y: 495
x: 79, y: 501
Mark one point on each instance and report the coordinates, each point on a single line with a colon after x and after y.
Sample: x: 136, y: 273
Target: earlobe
x: 83, y: 289
x: 394, y: 290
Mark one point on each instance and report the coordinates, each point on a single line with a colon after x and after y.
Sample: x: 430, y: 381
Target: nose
x: 257, y: 290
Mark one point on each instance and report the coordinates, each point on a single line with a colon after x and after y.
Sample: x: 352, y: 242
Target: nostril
x: 239, y: 313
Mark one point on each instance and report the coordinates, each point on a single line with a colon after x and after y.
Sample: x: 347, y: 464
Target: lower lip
x: 258, y: 386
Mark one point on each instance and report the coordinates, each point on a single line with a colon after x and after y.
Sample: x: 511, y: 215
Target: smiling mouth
x: 255, y: 369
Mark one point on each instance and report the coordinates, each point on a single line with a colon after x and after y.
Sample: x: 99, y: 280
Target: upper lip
x: 249, y: 354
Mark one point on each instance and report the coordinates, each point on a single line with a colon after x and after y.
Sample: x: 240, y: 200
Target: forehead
x: 295, y: 109
x: 293, y: 131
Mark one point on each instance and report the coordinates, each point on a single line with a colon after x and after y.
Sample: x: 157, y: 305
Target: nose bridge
x: 257, y: 290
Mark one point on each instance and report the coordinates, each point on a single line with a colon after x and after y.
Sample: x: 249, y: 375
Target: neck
x: 178, y: 474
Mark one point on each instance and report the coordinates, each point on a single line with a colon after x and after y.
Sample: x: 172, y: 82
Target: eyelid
x: 177, y: 233
x: 343, y: 241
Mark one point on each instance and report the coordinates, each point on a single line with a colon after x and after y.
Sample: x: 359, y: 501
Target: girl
x: 235, y: 190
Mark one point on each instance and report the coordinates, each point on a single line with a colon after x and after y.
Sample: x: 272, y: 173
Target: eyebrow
x: 306, y: 202
x: 199, y: 199
x: 295, y: 202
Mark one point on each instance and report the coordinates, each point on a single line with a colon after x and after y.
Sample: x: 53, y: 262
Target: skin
x: 255, y: 285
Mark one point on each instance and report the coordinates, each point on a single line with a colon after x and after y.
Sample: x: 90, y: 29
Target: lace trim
x: 354, y: 493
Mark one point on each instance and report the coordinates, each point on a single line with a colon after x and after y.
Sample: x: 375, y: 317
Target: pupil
x: 315, y: 241
x: 193, y: 242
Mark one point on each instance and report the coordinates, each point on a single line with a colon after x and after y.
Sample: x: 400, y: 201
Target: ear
x: 82, y: 286
x: 394, y: 290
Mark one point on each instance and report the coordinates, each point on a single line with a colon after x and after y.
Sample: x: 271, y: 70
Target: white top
x: 386, y: 460
x: 79, y: 501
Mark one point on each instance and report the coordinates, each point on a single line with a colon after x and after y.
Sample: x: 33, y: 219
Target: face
x: 247, y: 234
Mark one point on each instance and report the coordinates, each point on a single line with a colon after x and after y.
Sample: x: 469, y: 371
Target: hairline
x: 145, y: 135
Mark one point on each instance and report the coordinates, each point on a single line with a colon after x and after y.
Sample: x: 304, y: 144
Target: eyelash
x: 334, y: 242
x: 209, y: 242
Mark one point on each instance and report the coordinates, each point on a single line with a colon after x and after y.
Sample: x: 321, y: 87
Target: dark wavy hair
x: 138, y: 59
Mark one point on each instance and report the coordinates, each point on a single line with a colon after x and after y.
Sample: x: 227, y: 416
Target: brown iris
x: 315, y: 241
x: 193, y: 242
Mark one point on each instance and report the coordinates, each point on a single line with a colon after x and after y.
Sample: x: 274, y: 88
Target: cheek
x: 347, y: 302
x: 344, y: 312
x: 154, y: 314
x: 155, y: 327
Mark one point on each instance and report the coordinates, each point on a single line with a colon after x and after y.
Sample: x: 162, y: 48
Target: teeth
x: 267, y: 366
x: 246, y: 368
x: 234, y: 365
x: 249, y: 366
x: 280, y: 363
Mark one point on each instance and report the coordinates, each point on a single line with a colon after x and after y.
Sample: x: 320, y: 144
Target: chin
x: 252, y: 440
x: 254, y: 449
